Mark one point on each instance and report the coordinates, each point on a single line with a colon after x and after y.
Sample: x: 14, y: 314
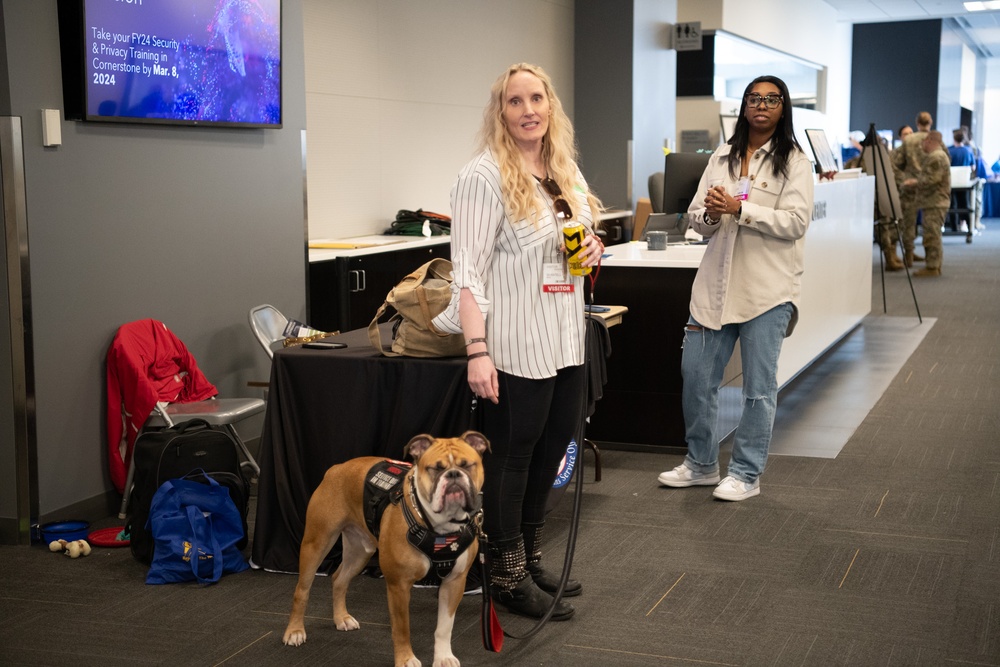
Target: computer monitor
x: 681, y: 174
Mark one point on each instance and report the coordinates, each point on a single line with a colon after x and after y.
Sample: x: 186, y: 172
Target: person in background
x: 756, y: 210
x: 851, y: 154
x: 906, y: 161
x: 903, y: 132
x: 522, y: 314
x: 961, y: 155
x: 933, y: 195
x: 982, y: 175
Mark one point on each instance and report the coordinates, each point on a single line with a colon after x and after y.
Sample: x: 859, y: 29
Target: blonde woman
x: 522, y: 314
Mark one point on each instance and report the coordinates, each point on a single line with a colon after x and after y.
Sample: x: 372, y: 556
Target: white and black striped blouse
x: 529, y: 333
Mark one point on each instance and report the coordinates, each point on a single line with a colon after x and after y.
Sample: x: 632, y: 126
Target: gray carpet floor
x: 884, y: 552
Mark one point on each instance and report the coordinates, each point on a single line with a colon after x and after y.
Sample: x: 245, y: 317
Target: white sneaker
x: 682, y: 476
x: 733, y: 489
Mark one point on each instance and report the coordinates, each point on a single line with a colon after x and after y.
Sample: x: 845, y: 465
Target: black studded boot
x: 544, y: 579
x: 513, y: 587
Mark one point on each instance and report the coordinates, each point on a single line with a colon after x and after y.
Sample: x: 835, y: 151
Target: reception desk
x: 641, y: 407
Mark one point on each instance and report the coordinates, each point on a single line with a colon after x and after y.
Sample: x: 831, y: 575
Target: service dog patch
x: 383, y: 485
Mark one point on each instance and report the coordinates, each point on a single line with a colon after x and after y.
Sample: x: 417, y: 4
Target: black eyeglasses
x: 754, y: 100
x: 560, y: 204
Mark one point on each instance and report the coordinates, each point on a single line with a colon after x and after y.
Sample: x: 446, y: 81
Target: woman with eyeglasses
x: 522, y: 314
x: 755, y: 213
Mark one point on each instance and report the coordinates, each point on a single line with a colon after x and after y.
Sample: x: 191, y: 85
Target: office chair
x: 268, y: 325
x: 656, y: 191
x: 154, y: 382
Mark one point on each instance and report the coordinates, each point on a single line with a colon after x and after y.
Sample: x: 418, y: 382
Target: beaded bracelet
x: 476, y: 355
x: 474, y: 340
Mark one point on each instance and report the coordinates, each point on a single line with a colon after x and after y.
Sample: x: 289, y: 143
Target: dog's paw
x: 412, y: 662
x: 294, y: 637
x: 348, y: 623
x: 446, y: 661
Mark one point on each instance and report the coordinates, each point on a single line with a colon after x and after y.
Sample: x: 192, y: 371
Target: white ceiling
x: 982, y: 28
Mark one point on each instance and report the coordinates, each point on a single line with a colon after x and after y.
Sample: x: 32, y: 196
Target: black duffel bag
x: 190, y: 449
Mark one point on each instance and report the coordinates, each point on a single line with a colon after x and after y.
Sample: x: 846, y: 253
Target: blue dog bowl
x: 64, y: 530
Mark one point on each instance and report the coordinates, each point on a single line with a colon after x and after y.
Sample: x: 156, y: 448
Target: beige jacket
x: 753, y: 263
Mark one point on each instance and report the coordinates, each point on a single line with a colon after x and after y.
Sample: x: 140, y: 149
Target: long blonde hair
x: 559, y: 151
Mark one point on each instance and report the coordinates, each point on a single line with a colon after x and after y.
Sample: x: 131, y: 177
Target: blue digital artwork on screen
x: 188, y: 61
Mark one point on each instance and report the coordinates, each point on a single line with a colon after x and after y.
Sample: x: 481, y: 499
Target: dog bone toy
x: 73, y: 549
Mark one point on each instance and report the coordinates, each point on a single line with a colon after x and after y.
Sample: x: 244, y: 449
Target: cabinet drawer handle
x: 357, y: 281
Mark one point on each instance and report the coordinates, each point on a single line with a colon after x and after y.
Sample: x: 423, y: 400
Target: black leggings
x: 529, y: 431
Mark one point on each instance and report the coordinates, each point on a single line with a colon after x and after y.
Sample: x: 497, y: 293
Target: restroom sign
x: 687, y: 36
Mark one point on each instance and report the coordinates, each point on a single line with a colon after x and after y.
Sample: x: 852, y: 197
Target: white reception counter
x: 655, y: 286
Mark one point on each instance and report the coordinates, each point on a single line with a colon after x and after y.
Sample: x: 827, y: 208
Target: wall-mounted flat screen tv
x: 181, y: 62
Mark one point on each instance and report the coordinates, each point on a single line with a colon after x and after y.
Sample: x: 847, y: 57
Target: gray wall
x: 603, y: 98
x: 894, y: 74
x: 625, y: 91
x: 191, y: 226
x: 654, y: 97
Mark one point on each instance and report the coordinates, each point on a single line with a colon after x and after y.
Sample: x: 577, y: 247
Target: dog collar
x: 442, y: 549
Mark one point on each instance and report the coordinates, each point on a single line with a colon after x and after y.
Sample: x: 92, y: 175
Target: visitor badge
x: 743, y: 189
x: 555, y: 278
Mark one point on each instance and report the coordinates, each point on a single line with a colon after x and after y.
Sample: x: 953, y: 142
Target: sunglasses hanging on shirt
x: 561, y: 205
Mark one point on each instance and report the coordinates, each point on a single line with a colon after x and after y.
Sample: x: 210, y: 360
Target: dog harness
x: 385, y: 484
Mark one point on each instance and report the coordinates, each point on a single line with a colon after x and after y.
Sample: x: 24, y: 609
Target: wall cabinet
x: 345, y: 292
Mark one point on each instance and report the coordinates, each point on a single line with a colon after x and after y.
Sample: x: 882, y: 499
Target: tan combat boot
x: 892, y: 262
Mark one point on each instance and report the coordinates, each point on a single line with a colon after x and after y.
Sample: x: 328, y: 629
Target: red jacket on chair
x: 146, y: 363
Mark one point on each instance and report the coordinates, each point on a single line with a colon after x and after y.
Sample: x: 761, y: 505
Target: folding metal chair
x: 268, y: 325
x: 148, y: 364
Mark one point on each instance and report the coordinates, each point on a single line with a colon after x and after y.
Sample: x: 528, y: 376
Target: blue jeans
x: 706, y: 353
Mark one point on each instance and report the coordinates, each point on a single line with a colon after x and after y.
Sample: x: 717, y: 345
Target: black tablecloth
x: 327, y: 406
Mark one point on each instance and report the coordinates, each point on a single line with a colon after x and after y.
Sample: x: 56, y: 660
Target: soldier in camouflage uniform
x: 906, y: 161
x: 933, y: 194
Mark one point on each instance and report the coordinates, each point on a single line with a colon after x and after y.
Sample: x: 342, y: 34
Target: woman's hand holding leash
x: 483, y: 377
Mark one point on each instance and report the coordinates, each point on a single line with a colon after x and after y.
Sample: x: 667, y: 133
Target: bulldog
x: 425, y: 515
